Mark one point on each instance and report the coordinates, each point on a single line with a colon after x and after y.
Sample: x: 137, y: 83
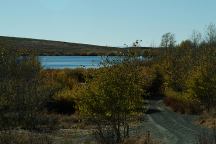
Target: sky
x: 105, y: 22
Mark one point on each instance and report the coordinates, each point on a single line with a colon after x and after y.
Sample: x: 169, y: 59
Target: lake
x: 61, y: 62
x: 72, y: 62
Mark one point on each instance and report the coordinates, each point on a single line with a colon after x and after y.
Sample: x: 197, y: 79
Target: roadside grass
x: 144, y: 139
x: 23, y: 137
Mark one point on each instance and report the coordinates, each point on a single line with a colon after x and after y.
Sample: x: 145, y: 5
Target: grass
x: 21, y: 137
x: 144, y: 139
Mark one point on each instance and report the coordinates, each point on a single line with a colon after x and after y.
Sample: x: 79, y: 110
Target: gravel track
x: 171, y: 127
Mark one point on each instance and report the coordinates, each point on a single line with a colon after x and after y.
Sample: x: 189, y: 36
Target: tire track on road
x: 171, y: 127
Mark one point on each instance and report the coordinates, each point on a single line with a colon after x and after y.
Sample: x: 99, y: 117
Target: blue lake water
x: 61, y: 62
x: 72, y: 62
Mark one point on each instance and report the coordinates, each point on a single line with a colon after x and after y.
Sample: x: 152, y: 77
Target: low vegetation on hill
x: 57, y: 48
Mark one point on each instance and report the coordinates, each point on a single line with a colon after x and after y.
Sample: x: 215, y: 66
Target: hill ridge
x: 55, y: 48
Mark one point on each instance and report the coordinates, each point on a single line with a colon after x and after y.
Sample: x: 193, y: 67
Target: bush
x: 201, y: 84
x: 22, y: 92
x: 111, y: 98
x: 64, y: 85
x: 182, y: 102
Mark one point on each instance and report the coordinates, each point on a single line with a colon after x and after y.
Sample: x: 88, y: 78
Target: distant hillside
x: 47, y: 47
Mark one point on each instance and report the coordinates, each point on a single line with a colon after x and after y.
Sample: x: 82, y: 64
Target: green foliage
x: 202, y: 84
x: 197, y: 81
x: 63, y: 85
x: 182, y: 102
x: 187, y: 44
x: 111, y: 98
x: 189, y: 72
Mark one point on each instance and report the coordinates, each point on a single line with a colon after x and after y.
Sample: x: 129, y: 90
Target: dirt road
x: 171, y: 127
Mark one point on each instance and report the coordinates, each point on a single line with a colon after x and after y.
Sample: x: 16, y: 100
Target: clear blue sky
x: 104, y: 22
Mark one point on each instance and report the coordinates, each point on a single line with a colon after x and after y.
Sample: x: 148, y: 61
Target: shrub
x: 111, y: 98
x: 22, y: 92
x: 182, y: 102
x: 64, y: 85
x: 78, y: 74
x: 201, y: 85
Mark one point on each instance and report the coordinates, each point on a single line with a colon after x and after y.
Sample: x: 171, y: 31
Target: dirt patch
x: 209, y: 122
x: 144, y: 139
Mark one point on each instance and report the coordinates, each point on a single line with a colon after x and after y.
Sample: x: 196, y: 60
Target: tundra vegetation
x: 35, y: 102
